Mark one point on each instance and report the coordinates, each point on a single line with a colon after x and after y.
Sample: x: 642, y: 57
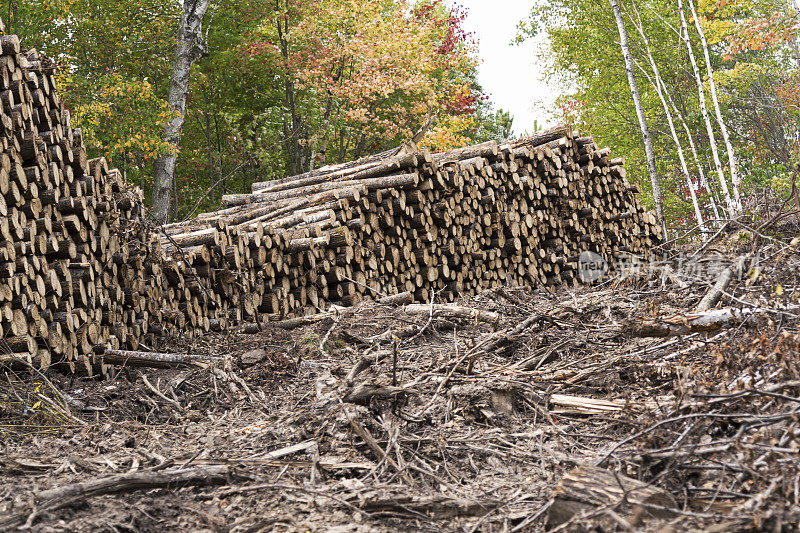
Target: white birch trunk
x: 648, y: 146
x: 657, y: 84
x: 735, y: 177
x: 684, y: 32
x: 189, y: 48
x: 696, y: 158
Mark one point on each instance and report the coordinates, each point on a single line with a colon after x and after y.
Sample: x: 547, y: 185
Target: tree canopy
x: 752, y: 53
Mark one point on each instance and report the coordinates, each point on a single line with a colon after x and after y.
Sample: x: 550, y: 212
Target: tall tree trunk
x: 648, y: 146
x: 698, y: 164
x: 723, y: 182
x: 293, y: 129
x: 657, y: 83
x: 190, y: 47
x: 735, y: 177
x: 326, y: 122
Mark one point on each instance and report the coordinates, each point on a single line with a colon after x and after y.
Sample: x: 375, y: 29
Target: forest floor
x: 465, y: 425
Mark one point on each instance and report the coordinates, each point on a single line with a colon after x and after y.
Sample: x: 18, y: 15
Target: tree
x: 750, y: 58
x: 190, y: 47
x: 648, y: 146
x: 660, y: 88
x: 286, y: 85
x: 735, y: 179
x: 730, y: 203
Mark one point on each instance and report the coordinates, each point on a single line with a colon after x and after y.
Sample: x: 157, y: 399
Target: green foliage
x: 287, y: 84
x: 754, y: 72
x: 115, y: 62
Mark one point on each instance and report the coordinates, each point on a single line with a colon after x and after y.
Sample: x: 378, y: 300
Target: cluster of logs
x: 408, y: 221
x: 83, y: 273
x: 71, y: 275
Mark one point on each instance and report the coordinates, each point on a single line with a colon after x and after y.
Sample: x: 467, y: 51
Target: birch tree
x: 637, y: 101
x: 695, y: 157
x: 684, y: 35
x: 190, y: 47
x: 735, y: 178
x: 657, y: 83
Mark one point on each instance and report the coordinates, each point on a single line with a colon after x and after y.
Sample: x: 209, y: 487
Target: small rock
x: 253, y: 356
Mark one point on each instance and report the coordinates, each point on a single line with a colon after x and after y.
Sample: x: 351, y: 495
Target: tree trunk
x: 793, y: 43
x: 735, y: 178
x: 693, y: 148
x: 648, y: 146
x: 326, y: 122
x: 684, y: 32
x: 657, y: 84
x: 293, y: 129
x: 190, y: 47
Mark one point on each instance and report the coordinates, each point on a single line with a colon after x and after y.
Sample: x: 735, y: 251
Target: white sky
x: 509, y: 74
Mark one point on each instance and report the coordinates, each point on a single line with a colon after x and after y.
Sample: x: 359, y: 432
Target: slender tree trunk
x: 696, y: 158
x: 190, y: 47
x: 684, y: 32
x: 793, y: 43
x: 648, y: 146
x: 735, y: 177
x: 657, y: 83
x: 326, y: 122
x: 291, y: 130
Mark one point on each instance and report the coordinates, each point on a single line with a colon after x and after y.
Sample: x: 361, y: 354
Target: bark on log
x: 452, y: 311
x: 153, y: 359
x: 588, y: 488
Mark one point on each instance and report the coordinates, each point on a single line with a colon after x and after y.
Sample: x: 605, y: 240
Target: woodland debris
x: 452, y: 311
x: 51, y: 499
x: 702, y: 321
x: 713, y: 296
x: 583, y: 405
x: 590, y: 488
x: 153, y: 359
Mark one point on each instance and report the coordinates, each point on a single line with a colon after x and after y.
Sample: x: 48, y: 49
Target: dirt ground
x: 373, y: 419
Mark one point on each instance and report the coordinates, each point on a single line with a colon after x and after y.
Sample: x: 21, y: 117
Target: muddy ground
x: 376, y: 420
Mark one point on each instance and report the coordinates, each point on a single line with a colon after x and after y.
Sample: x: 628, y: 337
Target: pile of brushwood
x: 666, y: 398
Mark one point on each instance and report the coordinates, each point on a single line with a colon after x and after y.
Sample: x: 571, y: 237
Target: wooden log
x: 588, y: 488
x: 452, y: 311
x: 153, y: 359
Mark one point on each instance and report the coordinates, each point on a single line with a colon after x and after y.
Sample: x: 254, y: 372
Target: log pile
x: 70, y: 273
x: 437, y: 225
x: 82, y: 271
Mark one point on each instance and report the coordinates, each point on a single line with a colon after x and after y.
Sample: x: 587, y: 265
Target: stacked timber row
x: 67, y: 282
x: 408, y: 221
x: 82, y: 272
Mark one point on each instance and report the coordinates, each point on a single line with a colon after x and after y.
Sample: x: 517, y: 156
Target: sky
x: 509, y: 73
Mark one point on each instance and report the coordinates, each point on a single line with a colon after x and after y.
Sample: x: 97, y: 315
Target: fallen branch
x: 452, y: 311
x: 375, y: 447
x: 584, y: 405
x: 58, y: 497
x: 501, y: 337
x: 154, y: 359
x: 692, y: 322
x: 726, y: 276
x: 439, y: 506
x: 588, y: 487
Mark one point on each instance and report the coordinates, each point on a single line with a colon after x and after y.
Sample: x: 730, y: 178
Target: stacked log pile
x: 434, y: 225
x: 79, y: 269
x: 82, y: 272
